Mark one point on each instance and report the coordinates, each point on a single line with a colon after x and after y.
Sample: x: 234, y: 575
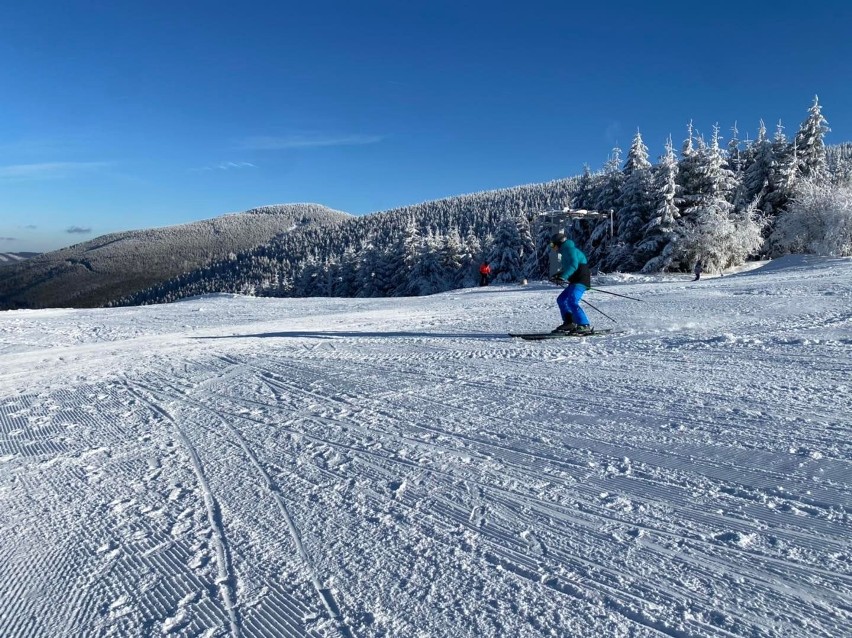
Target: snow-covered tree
x: 746, y: 239
x: 607, y: 197
x: 819, y: 220
x: 782, y: 177
x: 472, y: 257
x: 506, y: 256
x: 309, y: 281
x: 735, y: 158
x: 527, y: 242
x: 402, y: 257
x: 706, y: 229
x: 609, y: 192
x: 757, y: 175
x: 370, y: 282
x: 810, y: 143
x: 542, y: 252
x: 690, y: 168
x: 427, y: 275
x: 344, y: 283
x: 839, y: 164
x: 634, y: 210
x: 452, y: 257
x: 658, y: 234
x: 584, y: 197
x: 529, y: 257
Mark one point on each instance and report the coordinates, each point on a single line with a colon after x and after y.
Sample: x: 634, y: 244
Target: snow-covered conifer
x: 584, y: 197
x: 659, y: 232
x: 375, y: 274
x: 756, y: 177
x: 608, y: 193
x: 839, y: 164
x: 735, y: 155
x: 403, y: 257
x: 784, y: 173
x: 345, y: 283
x: 819, y: 220
x: 706, y: 231
x: 609, y: 189
x: 528, y: 245
x: 690, y: 167
x: 810, y: 143
x: 427, y: 274
x: 634, y: 210
x: 452, y: 258
x: 474, y: 253
x: 506, y: 257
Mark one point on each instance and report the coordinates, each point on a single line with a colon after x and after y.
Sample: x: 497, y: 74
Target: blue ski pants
x: 569, y: 304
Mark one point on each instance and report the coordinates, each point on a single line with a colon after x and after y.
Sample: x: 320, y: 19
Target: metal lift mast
x: 558, y: 219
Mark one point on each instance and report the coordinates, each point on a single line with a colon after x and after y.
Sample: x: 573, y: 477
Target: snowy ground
x: 232, y: 466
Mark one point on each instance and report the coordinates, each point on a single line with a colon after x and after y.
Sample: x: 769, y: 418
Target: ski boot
x: 567, y: 326
x: 581, y: 330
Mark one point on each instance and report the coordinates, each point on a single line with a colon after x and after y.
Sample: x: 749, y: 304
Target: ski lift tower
x: 558, y: 221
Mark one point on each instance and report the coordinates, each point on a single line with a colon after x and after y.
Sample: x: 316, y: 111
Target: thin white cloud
x: 78, y: 230
x: 225, y: 166
x: 270, y: 143
x: 48, y: 170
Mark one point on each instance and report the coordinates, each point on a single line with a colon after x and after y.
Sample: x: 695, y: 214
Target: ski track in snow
x: 230, y: 466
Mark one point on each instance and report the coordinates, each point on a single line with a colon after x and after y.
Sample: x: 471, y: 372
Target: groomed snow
x: 232, y: 466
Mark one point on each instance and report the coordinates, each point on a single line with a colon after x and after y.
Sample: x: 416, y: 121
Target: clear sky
x: 120, y: 115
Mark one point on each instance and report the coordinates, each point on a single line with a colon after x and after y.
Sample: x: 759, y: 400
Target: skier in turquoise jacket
x: 574, y: 270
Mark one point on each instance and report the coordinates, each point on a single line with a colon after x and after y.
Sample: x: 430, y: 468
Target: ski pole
x: 598, y: 310
x: 616, y: 294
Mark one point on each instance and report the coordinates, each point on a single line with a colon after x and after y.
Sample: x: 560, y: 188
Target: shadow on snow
x: 312, y: 334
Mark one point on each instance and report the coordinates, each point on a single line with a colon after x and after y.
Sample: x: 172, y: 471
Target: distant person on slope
x: 484, y: 273
x: 574, y: 270
x: 698, y: 270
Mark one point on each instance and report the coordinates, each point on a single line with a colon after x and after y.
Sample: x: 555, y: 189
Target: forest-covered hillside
x: 414, y: 250
x: 719, y: 202
x: 93, y: 273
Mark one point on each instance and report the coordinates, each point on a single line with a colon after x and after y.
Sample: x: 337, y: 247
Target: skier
x: 575, y: 270
x: 698, y: 270
x: 484, y: 273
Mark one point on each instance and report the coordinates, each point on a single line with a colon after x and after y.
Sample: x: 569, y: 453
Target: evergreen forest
x: 721, y: 203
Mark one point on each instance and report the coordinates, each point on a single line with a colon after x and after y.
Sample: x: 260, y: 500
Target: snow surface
x: 232, y: 466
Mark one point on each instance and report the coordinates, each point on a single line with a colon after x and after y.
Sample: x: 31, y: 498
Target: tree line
x: 721, y: 204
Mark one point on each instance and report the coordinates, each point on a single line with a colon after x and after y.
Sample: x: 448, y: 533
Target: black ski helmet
x: 558, y: 239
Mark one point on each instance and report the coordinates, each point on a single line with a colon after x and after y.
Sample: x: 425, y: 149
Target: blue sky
x: 134, y: 114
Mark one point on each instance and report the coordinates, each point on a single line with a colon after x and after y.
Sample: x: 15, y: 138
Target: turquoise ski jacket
x: 574, y: 264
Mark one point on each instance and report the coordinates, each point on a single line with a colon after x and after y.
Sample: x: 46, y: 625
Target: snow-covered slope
x: 7, y: 259
x: 230, y: 466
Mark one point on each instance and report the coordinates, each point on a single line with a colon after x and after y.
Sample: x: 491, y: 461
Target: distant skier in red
x: 484, y: 273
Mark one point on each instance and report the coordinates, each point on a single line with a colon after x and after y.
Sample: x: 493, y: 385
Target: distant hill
x: 7, y: 259
x: 92, y: 273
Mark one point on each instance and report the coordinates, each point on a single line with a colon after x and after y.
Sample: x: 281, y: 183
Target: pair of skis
x: 542, y: 336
